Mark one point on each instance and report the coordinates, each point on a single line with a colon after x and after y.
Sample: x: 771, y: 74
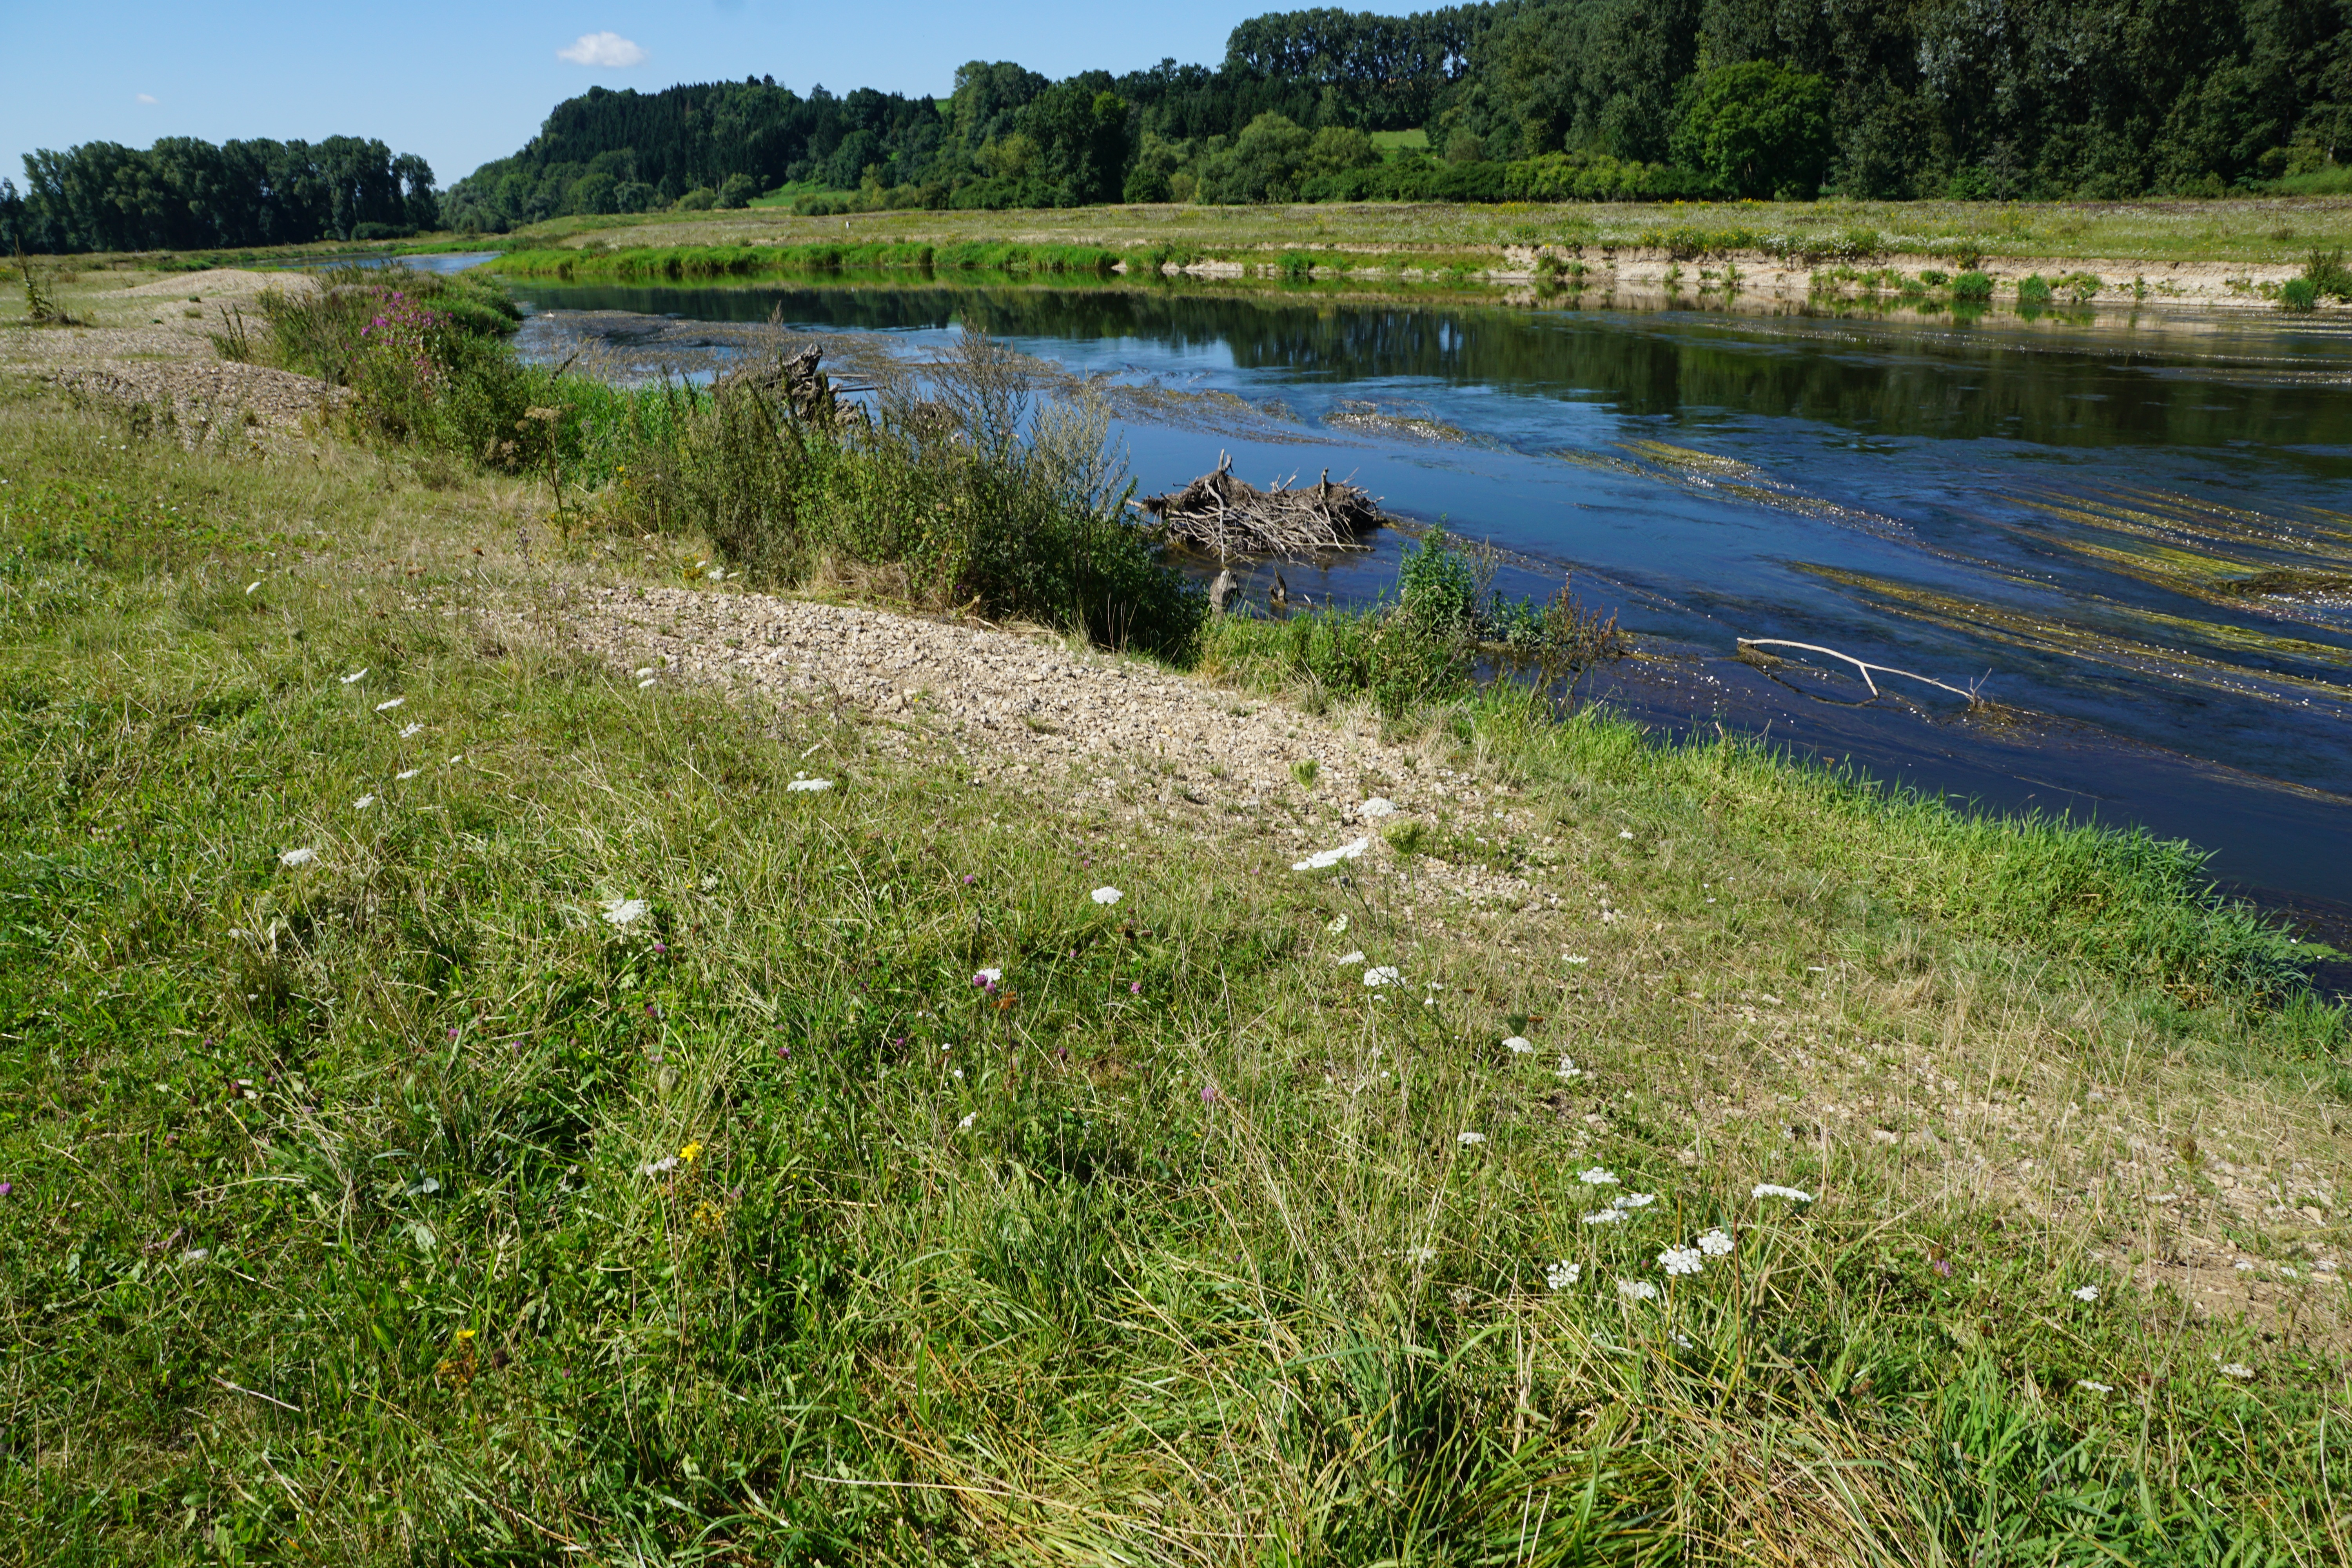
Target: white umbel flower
x: 1470, y: 1138
x: 358, y: 675
x: 1519, y: 1045
x: 809, y: 786
x: 2085, y: 1293
x: 1772, y: 1190
x: 1106, y: 896
x: 1636, y: 1290
x: 1716, y: 1243
x: 1596, y: 1177
x: 1383, y: 975
x: 389, y: 704
x: 297, y: 857
x: 1323, y: 860
x: 621, y: 911
x: 1682, y: 1260
x: 1561, y: 1275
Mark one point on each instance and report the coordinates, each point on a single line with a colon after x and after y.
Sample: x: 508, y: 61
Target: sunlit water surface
x: 2134, y: 532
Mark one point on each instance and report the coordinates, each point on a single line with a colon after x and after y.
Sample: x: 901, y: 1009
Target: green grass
x: 2268, y: 230
x: 331, y: 1232
x: 687, y: 263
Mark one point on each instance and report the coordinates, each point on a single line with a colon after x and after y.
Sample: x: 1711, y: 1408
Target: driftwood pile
x: 1224, y: 516
x: 795, y: 379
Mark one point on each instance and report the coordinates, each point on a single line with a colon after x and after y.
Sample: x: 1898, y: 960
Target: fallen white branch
x: 1969, y: 695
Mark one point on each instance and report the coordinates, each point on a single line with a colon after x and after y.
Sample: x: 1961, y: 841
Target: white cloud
x: 603, y: 49
x: 148, y: 98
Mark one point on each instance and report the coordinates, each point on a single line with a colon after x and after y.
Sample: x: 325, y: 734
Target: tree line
x: 1520, y: 99
x: 1527, y: 100
x: 184, y: 193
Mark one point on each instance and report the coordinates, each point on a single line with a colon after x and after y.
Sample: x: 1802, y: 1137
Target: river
x: 2131, y: 530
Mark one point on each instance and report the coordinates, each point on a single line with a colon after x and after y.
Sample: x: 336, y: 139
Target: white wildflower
x: 2086, y: 1293
x: 648, y: 681
x: 1772, y: 1190
x: 1622, y: 834
x: 642, y: 672
x: 1470, y: 1138
x: 965, y: 1125
x: 1682, y: 1260
x: 389, y: 704
x: 406, y: 775
x: 1519, y: 1045
x: 1605, y: 1216
x: 410, y: 729
x: 357, y: 675
x: 1108, y: 896
x: 1563, y: 1274
x: 1574, y: 958
x: 1636, y: 1290
x: 1383, y: 975
x: 297, y: 856
x: 1324, y: 858
x: 621, y: 911
x: 1348, y: 958
x: 1420, y: 1254
x: 1567, y: 1070
x: 2242, y: 1266
x: 2236, y: 1369
x: 364, y: 802
x: 1377, y: 807
x: 195, y: 1255
x: 987, y: 978
x: 807, y: 785
x: 1716, y: 1243
x: 2094, y: 1387
x: 667, y: 1162
x: 1337, y: 926
x: 1635, y: 1201
x: 1596, y: 1177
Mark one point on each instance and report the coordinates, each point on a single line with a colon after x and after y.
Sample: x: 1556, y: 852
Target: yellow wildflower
x: 690, y: 1153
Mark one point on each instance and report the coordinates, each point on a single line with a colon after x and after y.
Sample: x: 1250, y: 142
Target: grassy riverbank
x: 400, y: 1200
x: 2154, y: 235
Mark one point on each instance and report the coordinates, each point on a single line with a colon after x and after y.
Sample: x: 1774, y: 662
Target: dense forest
x: 186, y: 194
x: 1520, y: 99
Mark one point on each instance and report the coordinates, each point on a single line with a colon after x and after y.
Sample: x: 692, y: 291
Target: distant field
x: 2278, y: 231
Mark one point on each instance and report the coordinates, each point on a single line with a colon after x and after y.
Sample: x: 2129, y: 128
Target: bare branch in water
x: 1969, y: 695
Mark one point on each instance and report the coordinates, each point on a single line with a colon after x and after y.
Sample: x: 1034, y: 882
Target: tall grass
x: 684, y: 263
x: 397, y: 1208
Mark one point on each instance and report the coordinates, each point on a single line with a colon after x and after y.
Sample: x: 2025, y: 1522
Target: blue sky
x: 462, y: 83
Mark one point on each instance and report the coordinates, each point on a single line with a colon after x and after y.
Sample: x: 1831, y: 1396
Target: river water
x: 2132, y: 530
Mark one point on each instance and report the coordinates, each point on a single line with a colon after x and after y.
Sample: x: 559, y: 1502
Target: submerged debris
x: 1224, y: 516
x: 796, y: 379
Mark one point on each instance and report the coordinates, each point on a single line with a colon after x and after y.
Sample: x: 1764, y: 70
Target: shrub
x: 2034, y: 291
x: 2298, y: 294
x: 1972, y: 285
x: 701, y: 199
x: 1934, y: 279
x: 2327, y: 274
x: 2082, y: 287
x: 972, y: 499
